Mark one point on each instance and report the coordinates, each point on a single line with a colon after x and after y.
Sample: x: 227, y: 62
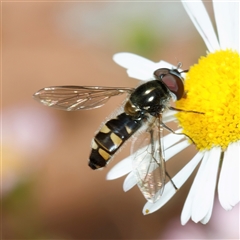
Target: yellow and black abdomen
x: 110, y: 138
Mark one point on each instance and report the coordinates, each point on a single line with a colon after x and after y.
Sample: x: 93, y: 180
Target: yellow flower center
x: 213, y: 88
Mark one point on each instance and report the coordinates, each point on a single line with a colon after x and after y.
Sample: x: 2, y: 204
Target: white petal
x: 206, y: 219
x: 168, y: 114
x: 139, y: 67
x: 163, y: 64
x: 120, y: 169
x: 227, y: 21
x: 202, y: 22
x: 129, y: 182
x: 170, y: 152
x: 204, y: 197
x: 131, y: 60
x: 224, y: 183
x: 141, y: 73
x: 187, y: 208
x: 228, y: 187
x: 179, y: 179
x: 169, y: 118
x: 234, y: 197
x: 170, y: 139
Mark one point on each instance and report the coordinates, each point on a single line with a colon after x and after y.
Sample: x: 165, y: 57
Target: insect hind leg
x: 170, y: 179
x: 167, y: 174
x: 172, y: 131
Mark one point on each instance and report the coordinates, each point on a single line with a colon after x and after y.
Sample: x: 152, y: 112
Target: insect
x: 141, y: 116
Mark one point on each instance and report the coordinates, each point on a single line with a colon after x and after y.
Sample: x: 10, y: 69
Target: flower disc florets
x: 213, y: 88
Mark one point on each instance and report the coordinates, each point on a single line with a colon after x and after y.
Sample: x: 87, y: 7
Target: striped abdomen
x: 110, y: 138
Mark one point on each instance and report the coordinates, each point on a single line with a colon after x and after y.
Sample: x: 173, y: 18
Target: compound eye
x: 160, y: 73
x: 174, y: 84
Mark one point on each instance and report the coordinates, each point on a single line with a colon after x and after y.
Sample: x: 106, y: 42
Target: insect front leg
x: 187, y: 111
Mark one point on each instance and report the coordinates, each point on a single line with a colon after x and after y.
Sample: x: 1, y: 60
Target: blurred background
x: 48, y: 191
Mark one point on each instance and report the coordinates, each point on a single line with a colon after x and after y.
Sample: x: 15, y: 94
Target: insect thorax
x: 151, y: 97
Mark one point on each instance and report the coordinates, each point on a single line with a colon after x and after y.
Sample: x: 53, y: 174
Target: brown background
x: 48, y: 191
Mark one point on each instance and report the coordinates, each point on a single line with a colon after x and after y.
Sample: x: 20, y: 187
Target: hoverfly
x: 141, y: 116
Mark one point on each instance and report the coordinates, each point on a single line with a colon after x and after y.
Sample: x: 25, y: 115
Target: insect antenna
x: 179, y: 65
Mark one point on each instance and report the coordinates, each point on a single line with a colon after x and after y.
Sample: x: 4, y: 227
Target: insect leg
x: 187, y: 111
x: 171, y: 180
x: 152, y: 143
x: 167, y: 174
x: 170, y: 130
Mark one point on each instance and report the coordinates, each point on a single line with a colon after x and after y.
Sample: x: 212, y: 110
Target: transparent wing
x: 149, y: 162
x: 72, y: 98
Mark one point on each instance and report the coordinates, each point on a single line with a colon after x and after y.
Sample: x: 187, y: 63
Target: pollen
x: 213, y: 88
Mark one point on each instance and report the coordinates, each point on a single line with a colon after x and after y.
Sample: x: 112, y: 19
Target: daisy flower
x: 213, y: 87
